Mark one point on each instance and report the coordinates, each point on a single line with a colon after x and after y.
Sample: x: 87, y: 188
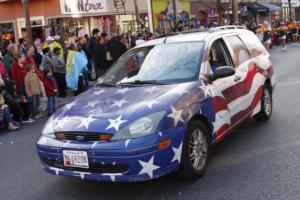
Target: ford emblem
x: 79, y: 137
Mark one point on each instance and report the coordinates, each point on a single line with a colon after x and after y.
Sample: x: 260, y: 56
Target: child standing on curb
x: 33, y: 90
x: 51, y: 90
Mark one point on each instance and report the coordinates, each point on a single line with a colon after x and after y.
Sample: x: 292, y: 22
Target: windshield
x: 161, y: 64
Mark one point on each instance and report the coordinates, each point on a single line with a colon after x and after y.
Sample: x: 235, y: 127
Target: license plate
x: 77, y: 159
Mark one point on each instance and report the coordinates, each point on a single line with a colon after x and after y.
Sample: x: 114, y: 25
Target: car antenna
x: 164, y: 42
x: 167, y: 35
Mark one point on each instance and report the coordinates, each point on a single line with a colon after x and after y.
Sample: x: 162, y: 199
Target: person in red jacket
x: 18, y: 73
x: 50, y: 89
x: 30, y: 60
x: 3, y: 72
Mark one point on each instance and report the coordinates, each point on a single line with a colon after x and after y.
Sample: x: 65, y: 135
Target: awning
x: 256, y: 7
x: 270, y: 6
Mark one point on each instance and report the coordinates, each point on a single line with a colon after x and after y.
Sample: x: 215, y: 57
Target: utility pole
x: 220, y: 13
x: 27, y: 18
x: 137, y: 15
x: 290, y: 10
x: 235, y: 11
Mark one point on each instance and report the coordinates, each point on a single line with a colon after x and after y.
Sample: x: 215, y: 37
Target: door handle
x: 237, y: 78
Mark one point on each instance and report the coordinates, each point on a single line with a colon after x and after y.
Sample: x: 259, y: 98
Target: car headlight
x: 48, y: 130
x: 141, y: 127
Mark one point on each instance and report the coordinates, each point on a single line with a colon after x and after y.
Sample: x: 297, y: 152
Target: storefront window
x: 7, y: 31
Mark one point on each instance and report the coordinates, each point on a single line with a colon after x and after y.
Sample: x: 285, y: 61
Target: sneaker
x: 36, y: 117
x: 27, y: 121
x: 12, y: 127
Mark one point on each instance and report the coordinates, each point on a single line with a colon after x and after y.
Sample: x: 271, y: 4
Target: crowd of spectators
x: 47, y: 70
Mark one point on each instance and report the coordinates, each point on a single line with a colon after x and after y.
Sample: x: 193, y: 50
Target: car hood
x: 98, y: 109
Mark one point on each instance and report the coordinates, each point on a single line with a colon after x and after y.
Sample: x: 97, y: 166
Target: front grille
x: 84, y: 137
x: 93, y: 168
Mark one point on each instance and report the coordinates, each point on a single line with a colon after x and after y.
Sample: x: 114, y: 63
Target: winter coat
x: 100, y: 56
x: 59, y: 65
x: 76, y: 64
x: 18, y: 75
x: 30, y: 60
x: 33, y: 84
x: 3, y: 72
x: 50, y: 85
x: 117, y: 49
x: 91, y: 47
x: 46, y: 63
x: 8, y: 61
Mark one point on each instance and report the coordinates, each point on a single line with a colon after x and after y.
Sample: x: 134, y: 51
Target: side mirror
x: 222, y: 72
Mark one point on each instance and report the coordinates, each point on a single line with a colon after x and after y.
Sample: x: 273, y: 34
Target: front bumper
x: 122, y: 161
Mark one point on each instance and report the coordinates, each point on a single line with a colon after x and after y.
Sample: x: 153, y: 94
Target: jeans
x: 6, y: 116
x: 86, y: 79
x: 80, y: 86
x: 61, y: 84
x: 51, y: 105
x: 34, y: 102
x: 99, y: 72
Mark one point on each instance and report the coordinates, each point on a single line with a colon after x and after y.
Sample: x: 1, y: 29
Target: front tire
x: 266, y: 105
x: 195, y: 151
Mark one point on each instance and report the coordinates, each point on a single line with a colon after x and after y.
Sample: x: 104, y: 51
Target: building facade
x: 70, y: 17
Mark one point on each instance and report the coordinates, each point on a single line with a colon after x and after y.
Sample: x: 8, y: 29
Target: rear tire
x: 266, y: 105
x: 195, y: 151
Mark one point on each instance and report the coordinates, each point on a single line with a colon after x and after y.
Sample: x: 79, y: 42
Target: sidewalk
x: 60, y: 102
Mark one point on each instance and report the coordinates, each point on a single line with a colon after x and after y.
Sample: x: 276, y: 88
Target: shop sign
x: 83, y: 6
x: 294, y: 3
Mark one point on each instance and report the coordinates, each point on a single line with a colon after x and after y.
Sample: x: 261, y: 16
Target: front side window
x: 239, y: 51
x: 165, y: 63
x: 254, y: 44
x: 218, y: 57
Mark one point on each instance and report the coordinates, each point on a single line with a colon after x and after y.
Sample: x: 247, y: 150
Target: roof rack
x: 185, y: 32
x: 222, y: 28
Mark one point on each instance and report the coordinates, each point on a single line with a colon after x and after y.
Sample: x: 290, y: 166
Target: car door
x: 240, y: 95
x: 219, y: 87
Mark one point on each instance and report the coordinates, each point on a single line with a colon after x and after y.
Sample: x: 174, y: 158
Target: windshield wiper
x: 139, y: 82
x: 105, y: 85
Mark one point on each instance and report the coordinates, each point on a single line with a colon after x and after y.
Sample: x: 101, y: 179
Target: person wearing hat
x: 49, y: 43
x: 56, y: 44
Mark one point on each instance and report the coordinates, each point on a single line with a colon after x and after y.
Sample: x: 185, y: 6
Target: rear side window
x: 254, y: 45
x: 238, y: 50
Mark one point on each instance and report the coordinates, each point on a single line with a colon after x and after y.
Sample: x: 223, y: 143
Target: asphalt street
x: 259, y: 161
